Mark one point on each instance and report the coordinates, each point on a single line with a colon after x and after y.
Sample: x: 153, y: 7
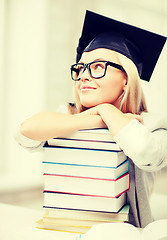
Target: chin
x: 90, y: 104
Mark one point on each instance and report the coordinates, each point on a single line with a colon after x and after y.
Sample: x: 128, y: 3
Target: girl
x: 108, y: 95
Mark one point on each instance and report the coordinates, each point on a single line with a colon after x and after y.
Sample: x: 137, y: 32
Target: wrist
x: 107, y: 109
x: 88, y: 121
x: 113, y: 118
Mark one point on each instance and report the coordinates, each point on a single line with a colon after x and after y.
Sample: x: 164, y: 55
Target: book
x: 82, y: 143
x: 83, y: 202
x: 93, y: 134
x: 61, y: 227
x: 82, y: 170
x: 91, y: 157
x: 85, y: 181
x: 156, y: 230
x: 90, y: 139
x: 87, y: 186
x: 78, y: 223
x: 75, y: 222
x: 68, y: 226
x: 122, y: 215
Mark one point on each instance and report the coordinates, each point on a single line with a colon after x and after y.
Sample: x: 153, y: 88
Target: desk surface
x: 17, y: 223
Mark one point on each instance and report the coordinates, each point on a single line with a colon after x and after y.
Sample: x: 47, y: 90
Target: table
x: 18, y: 223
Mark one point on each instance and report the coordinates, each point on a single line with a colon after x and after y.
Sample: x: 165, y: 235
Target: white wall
x: 2, y: 56
x: 37, y: 44
x: 23, y: 85
x: 65, y: 26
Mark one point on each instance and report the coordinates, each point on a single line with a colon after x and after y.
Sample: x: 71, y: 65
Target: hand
x: 112, y: 117
x: 94, y: 113
x: 91, y: 111
x: 106, y: 106
x: 97, y: 109
x: 132, y: 116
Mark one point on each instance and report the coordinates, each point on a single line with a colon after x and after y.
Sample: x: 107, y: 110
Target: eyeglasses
x: 96, y: 69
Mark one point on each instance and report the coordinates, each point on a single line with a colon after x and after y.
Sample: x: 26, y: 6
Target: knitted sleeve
x: 146, y: 148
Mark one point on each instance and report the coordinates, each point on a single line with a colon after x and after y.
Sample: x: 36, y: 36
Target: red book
x: 86, y: 185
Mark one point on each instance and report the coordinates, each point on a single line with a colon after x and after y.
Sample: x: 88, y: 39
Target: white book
x: 87, y: 186
x: 98, y: 134
x: 90, y: 138
x: 82, y: 143
x: 85, y: 170
x: 83, y: 202
x: 84, y: 156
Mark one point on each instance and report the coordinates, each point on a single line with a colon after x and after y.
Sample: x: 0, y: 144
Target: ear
x: 124, y: 84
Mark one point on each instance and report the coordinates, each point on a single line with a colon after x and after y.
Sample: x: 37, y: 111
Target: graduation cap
x: 141, y: 46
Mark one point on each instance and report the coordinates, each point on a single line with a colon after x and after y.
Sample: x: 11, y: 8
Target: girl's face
x: 107, y: 89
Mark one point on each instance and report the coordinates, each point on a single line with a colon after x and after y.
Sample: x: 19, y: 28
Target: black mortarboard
x: 141, y: 46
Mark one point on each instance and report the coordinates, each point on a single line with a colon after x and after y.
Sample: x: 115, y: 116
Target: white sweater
x: 145, y: 144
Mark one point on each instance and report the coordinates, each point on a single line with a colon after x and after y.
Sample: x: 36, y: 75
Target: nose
x: 85, y: 75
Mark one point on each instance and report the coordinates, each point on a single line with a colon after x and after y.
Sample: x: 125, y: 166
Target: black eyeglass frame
x: 87, y: 65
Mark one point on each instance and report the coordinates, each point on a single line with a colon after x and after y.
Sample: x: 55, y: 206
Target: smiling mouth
x: 87, y: 88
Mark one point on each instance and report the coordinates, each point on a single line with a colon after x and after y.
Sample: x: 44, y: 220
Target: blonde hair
x: 132, y: 99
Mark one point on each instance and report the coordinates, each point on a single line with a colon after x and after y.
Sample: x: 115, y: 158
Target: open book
x: 154, y: 231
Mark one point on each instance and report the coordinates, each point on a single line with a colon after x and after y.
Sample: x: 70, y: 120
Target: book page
x: 156, y: 230
x: 108, y: 231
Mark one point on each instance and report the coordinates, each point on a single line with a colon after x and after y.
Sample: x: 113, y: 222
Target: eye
x: 98, y: 66
x: 79, y: 68
x: 76, y: 70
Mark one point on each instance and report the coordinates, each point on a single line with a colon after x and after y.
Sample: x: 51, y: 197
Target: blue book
x: 81, y: 156
x: 82, y: 170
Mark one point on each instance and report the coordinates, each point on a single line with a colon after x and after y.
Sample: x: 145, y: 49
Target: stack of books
x: 85, y: 181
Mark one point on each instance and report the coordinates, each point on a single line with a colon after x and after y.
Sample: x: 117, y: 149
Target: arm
x: 47, y: 125
x: 147, y: 149
x: 113, y: 117
x: 145, y: 146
